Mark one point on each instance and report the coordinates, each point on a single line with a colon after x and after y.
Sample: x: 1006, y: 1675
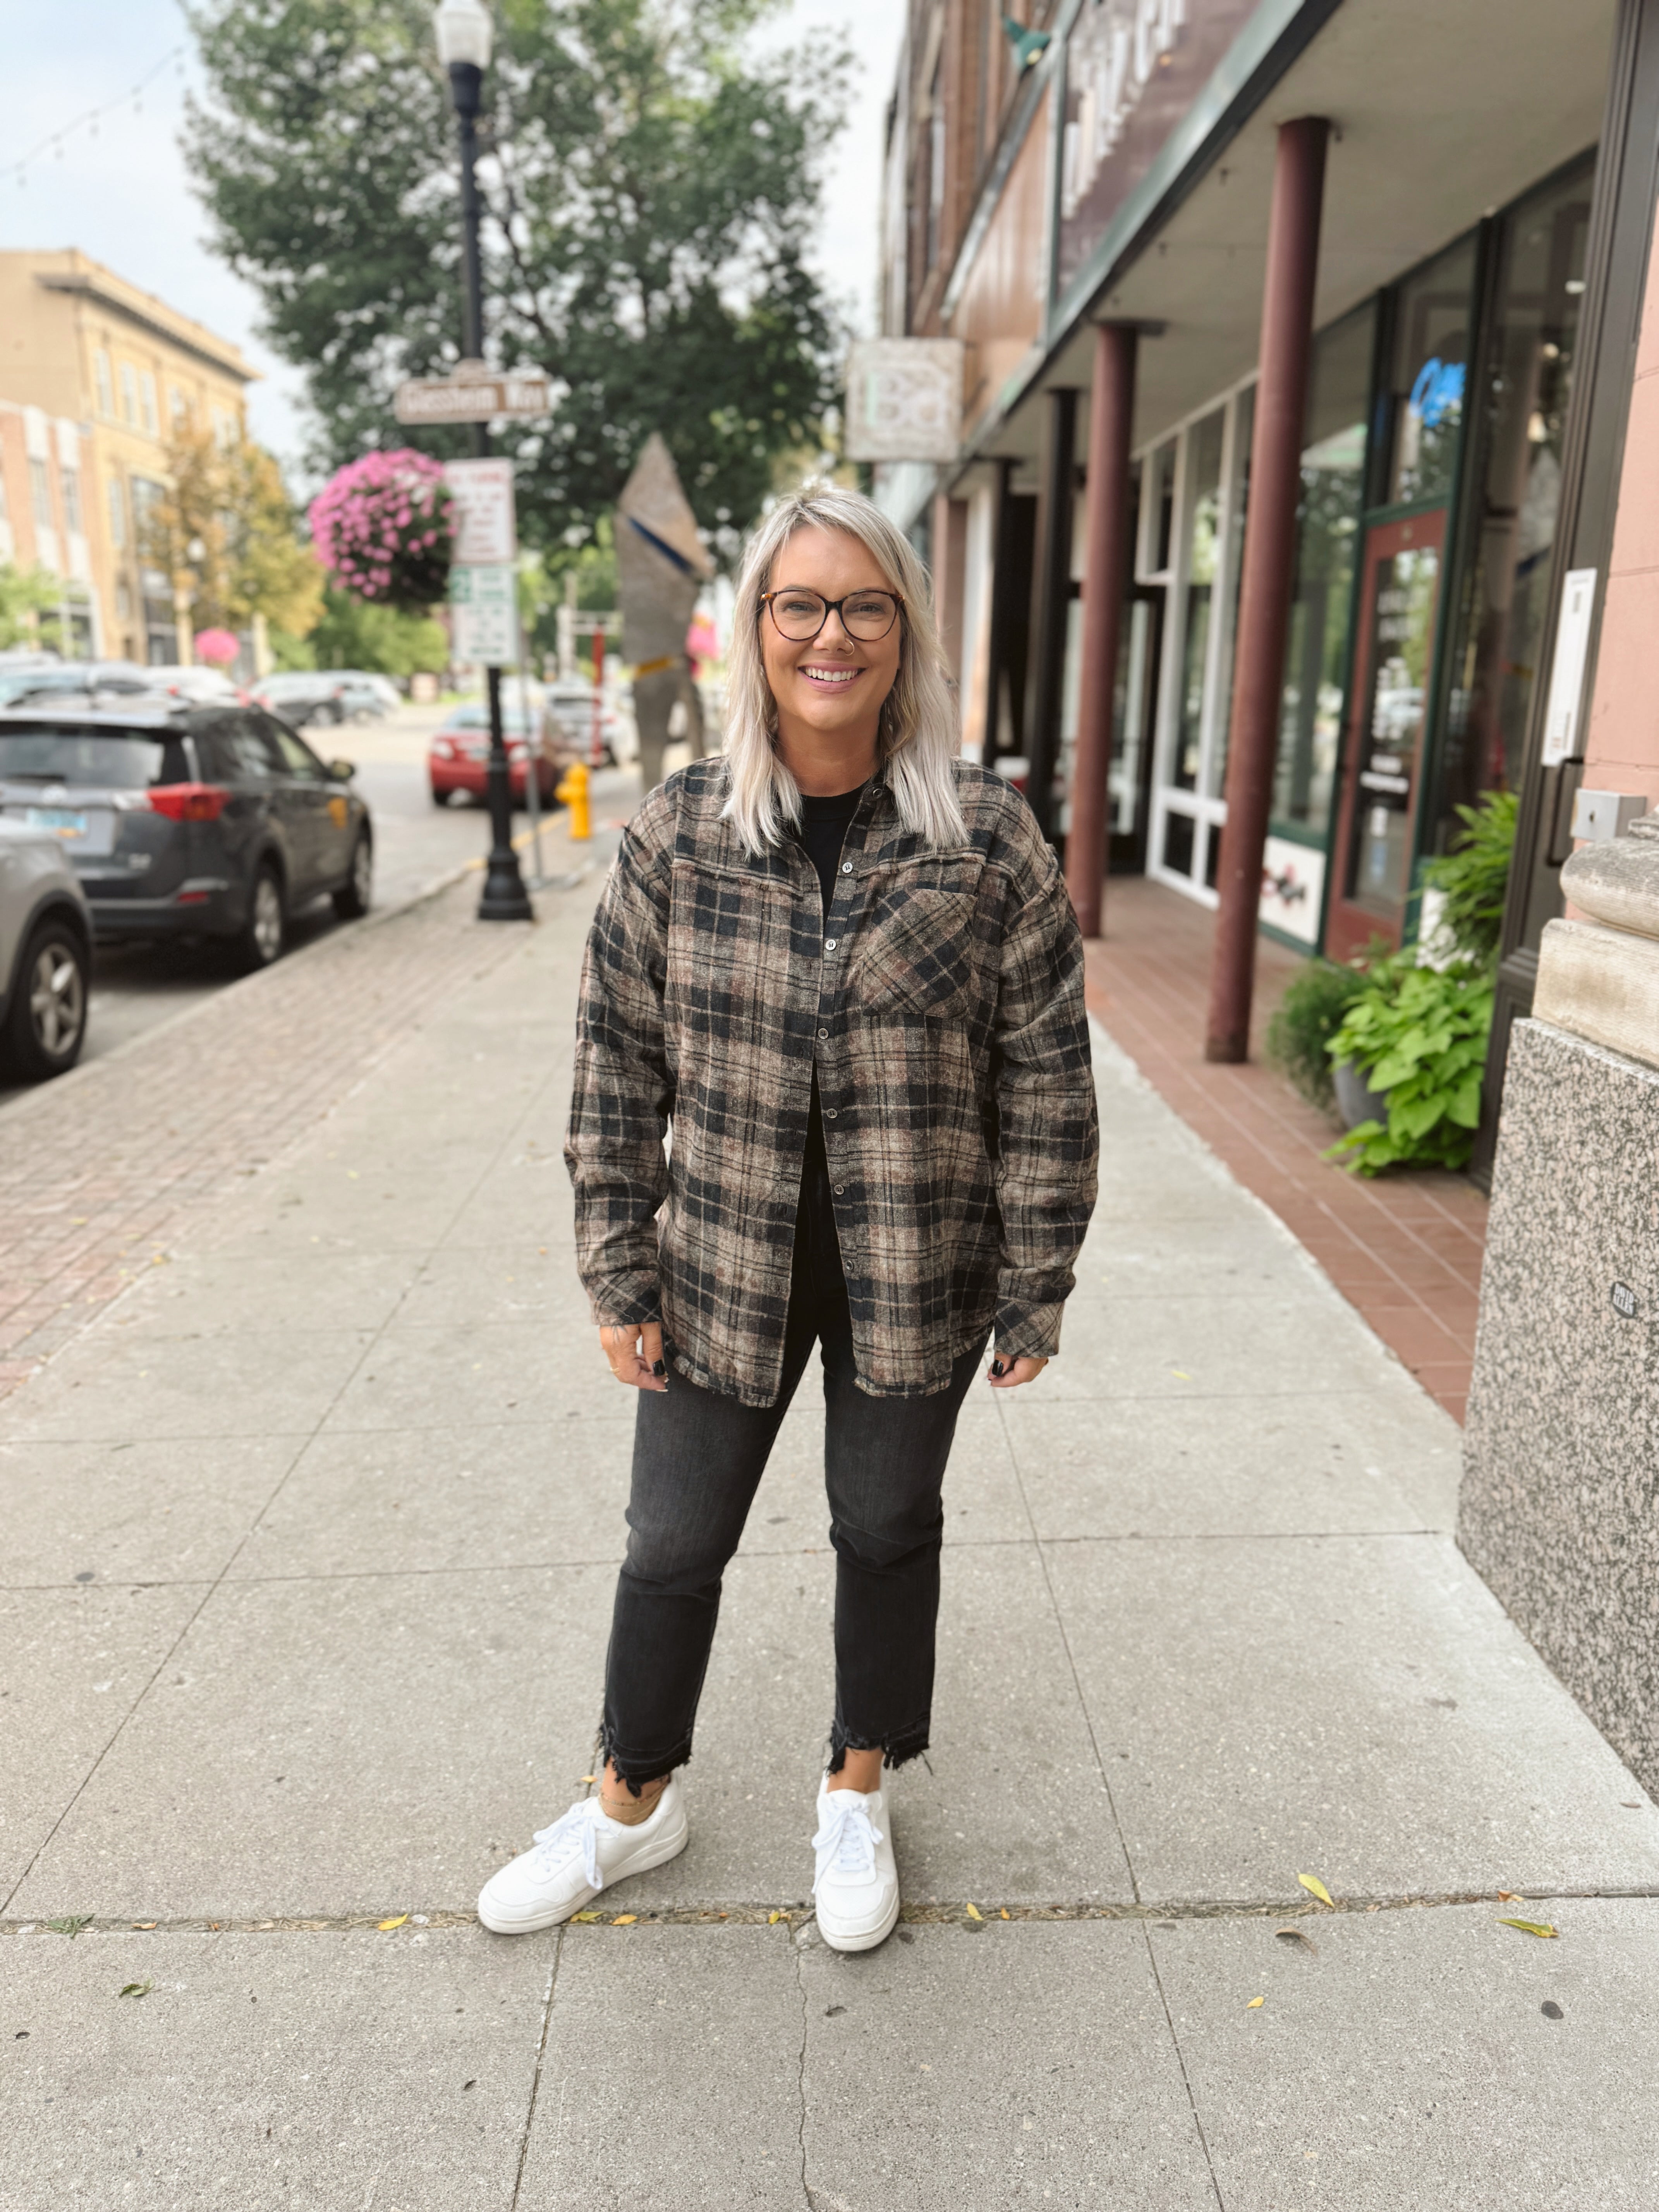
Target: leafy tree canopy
x: 650, y: 185
x: 354, y: 633
x: 25, y: 594
x: 226, y: 531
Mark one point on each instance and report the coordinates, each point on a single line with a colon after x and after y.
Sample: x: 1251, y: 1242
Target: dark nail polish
x: 997, y: 1367
x: 657, y: 1367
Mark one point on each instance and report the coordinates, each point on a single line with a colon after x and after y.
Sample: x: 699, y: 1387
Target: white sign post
x: 484, y: 608
x: 481, y: 496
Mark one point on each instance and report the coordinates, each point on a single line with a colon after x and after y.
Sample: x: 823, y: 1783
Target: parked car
x: 206, y: 686
x: 48, y: 678
x: 46, y: 954
x: 569, y: 728
x: 188, y: 821
x: 303, y: 697
x: 367, y: 696
x: 458, y: 756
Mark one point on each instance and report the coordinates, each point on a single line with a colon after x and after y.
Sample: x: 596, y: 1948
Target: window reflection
x: 1521, y: 420
x: 1327, y: 526
x: 1204, y: 448
x: 1430, y: 373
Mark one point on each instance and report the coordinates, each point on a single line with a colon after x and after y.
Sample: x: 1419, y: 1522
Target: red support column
x: 1264, y: 599
x: 1105, y: 587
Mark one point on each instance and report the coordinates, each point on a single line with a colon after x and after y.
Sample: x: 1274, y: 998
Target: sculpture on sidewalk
x: 661, y: 563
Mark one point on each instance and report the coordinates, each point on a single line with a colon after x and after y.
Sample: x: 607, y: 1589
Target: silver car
x: 46, y: 954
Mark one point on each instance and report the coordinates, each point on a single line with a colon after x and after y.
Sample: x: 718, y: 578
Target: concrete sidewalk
x: 310, y: 1541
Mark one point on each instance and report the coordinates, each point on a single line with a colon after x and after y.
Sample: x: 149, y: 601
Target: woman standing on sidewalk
x: 842, y: 962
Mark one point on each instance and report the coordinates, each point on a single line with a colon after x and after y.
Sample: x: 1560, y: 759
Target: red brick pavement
x: 97, y: 1170
x: 1405, y: 1248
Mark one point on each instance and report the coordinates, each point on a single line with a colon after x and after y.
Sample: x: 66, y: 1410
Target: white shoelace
x: 573, y: 1831
x: 845, y: 1844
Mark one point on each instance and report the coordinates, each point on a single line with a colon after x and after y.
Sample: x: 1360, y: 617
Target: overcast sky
x: 121, y: 193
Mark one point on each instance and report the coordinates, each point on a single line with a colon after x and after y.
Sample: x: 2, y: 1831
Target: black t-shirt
x: 824, y: 826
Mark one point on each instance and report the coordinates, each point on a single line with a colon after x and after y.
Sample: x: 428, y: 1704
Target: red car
x: 459, y: 756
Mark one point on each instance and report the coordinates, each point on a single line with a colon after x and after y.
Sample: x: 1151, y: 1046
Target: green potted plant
x: 1408, y: 1053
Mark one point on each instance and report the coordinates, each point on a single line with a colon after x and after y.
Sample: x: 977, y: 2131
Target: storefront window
x: 1327, y: 524
x: 1522, y: 409
x: 1430, y: 373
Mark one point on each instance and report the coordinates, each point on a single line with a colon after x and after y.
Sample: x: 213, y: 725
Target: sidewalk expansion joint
x: 976, y: 1917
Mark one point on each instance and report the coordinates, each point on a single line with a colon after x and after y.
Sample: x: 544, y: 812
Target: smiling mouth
x: 831, y: 675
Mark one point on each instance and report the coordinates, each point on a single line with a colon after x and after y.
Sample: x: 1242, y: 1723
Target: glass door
x: 1388, y: 725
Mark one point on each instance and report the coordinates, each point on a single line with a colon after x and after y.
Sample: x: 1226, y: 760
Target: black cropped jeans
x: 698, y: 1458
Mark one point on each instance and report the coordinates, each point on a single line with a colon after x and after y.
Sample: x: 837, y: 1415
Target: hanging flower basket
x: 217, y: 648
x: 381, y: 528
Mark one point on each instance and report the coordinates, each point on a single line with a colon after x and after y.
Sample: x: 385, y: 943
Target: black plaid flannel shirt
x: 941, y: 1004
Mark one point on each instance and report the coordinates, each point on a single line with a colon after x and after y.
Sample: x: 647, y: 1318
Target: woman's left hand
x: 1009, y: 1374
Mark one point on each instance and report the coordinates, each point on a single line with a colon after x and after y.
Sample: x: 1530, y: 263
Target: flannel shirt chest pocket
x: 727, y: 946
x: 916, y: 951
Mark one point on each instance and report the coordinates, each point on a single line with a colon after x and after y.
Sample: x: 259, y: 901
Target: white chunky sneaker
x: 570, y: 1863
x: 857, y: 1887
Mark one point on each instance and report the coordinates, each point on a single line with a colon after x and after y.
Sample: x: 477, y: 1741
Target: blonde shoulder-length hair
x: 916, y: 738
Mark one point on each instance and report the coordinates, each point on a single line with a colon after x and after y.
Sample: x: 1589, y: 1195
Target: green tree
x: 650, y: 187
x: 226, y: 530
x: 354, y: 634
x: 24, y: 592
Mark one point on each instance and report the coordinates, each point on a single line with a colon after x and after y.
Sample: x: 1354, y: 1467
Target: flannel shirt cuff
x: 1024, y: 1331
x: 625, y: 1301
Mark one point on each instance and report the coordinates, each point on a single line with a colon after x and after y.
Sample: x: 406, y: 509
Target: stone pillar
x: 1560, y: 1508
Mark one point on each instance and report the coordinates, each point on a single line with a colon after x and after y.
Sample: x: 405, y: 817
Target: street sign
x: 474, y: 394
x: 483, y: 617
x: 481, y: 495
x: 904, y: 400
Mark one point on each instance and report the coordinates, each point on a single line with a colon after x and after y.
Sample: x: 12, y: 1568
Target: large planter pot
x: 1356, y: 1102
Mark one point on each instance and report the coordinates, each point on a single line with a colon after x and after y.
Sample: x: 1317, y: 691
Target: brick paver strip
x: 97, y: 1169
x: 1404, y: 1248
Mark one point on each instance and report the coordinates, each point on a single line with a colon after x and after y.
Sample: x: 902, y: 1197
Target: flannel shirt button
x: 841, y: 1190
x: 823, y: 1033
x: 830, y: 1112
x: 830, y: 942
x: 846, y: 867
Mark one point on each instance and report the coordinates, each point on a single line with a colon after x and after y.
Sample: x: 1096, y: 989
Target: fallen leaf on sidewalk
x: 1005, y: 1912
x: 1509, y: 1896
x: 974, y: 1913
x: 773, y: 1918
x: 1183, y: 1373
x: 624, y: 1920
x: 585, y: 1916
x: 143, y: 1923
x: 136, y: 1990
x: 1253, y: 2002
x: 71, y: 1924
x: 1529, y: 1927
x: 1296, y: 1935
x: 398, y: 1922
x: 1315, y: 1887
x: 588, y: 1778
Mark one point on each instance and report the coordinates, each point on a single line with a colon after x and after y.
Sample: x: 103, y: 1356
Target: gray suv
x: 183, y: 820
x: 46, y: 954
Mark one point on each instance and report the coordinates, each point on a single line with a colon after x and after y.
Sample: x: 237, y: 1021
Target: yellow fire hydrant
x: 572, y: 792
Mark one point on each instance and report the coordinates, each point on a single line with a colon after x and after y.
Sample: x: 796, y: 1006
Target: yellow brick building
x: 94, y: 373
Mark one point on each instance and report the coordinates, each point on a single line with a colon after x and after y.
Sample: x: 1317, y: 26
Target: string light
x: 54, y: 143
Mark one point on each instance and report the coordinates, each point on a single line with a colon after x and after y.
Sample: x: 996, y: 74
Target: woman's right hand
x: 635, y: 1351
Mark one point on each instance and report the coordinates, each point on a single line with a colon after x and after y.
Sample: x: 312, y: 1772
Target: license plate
x: 62, y: 821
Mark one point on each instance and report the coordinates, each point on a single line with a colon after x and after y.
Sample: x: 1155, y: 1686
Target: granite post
x: 1560, y: 1508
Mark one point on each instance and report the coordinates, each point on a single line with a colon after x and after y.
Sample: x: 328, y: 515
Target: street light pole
x: 464, y: 32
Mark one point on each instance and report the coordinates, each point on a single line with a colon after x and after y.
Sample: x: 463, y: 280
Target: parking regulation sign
x: 482, y: 508
x: 483, y: 616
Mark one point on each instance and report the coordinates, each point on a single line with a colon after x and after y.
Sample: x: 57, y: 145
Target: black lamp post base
x: 505, y: 898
